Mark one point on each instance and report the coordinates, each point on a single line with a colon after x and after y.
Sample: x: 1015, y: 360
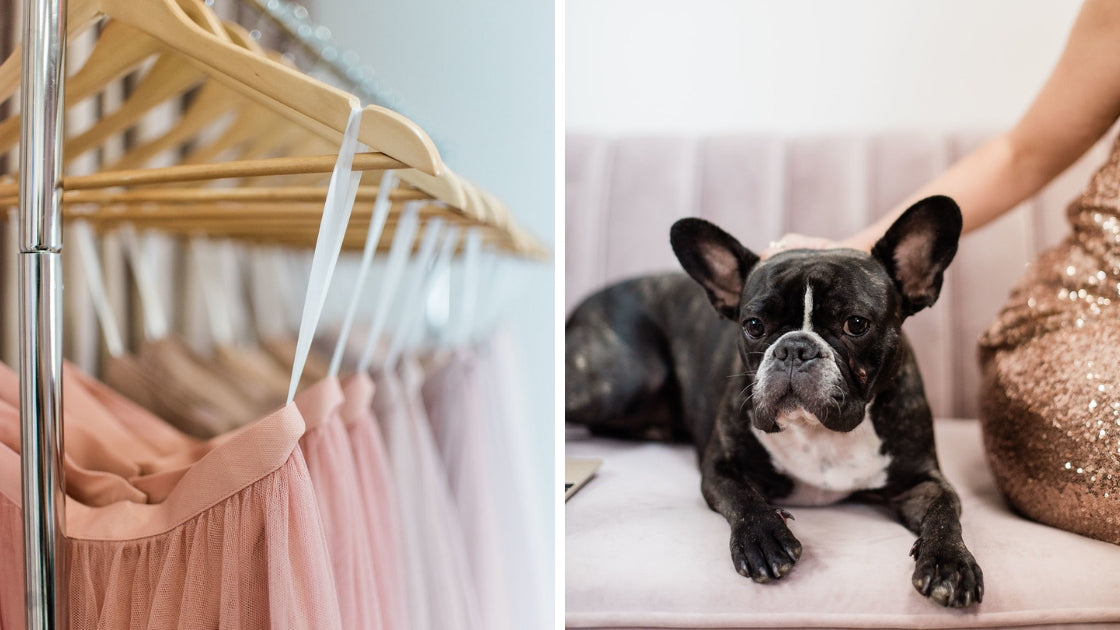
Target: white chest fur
x: 826, y: 465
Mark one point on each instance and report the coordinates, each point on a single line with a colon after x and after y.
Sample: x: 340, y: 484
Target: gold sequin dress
x: 1050, y: 401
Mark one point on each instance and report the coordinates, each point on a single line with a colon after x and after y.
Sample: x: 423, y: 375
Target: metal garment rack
x: 40, y: 311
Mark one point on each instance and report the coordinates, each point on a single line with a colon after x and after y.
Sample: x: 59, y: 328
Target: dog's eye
x: 856, y: 326
x: 754, y: 328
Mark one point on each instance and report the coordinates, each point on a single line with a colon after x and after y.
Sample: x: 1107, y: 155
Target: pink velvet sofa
x: 643, y: 550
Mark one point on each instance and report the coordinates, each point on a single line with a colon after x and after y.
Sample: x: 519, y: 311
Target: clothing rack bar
x: 40, y: 310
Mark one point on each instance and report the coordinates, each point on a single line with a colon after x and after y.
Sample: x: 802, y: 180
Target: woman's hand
x: 800, y: 241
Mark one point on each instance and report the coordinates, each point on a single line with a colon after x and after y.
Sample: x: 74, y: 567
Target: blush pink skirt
x: 235, y: 541
x: 463, y: 432
x: 334, y: 474
x: 379, y: 498
x: 428, y: 512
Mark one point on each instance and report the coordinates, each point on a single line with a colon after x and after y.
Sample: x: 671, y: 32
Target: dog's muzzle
x: 797, y: 372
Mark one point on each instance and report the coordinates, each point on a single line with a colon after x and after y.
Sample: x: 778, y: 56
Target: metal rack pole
x: 40, y: 301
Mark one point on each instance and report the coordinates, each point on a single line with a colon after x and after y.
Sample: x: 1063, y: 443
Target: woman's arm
x: 1076, y: 106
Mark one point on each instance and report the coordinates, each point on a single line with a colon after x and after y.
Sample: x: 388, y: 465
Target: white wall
x: 803, y: 66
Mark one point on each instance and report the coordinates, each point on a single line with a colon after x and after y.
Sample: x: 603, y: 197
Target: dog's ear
x: 714, y: 259
x: 918, y: 247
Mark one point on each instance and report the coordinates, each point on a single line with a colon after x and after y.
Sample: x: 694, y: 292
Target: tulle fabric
x: 310, y: 517
x: 237, y: 543
x: 330, y: 460
x: 526, y: 508
x: 390, y: 409
x: 431, y: 521
x: 453, y: 401
x: 247, y: 562
x: 379, y: 498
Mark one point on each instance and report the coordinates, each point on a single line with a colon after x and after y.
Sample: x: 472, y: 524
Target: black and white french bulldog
x: 802, y: 390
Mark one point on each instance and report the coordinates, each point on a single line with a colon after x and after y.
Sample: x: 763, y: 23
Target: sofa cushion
x: 644, y: 551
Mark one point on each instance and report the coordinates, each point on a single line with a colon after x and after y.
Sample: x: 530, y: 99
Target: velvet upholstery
x: 622, y: 194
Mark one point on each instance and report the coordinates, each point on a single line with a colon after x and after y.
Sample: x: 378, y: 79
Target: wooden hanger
x: 460, y: 194
x: 168, y: 78
x: 309, y: 145
x: 256, y: 131
x: 205, y: 172
x: 318, y: 108
x: 253, y: 134
x: 265, y: 217
x: 210, y: 105
x: 289, y: 93
x: 276, y: 194
x: 213, y: 103
x: 293, y: 95
x: 275, y: 215
x: 122, y: 48
x: 171, y: 76
x: 297, y: 235
x: 119, y: 49
x: 446, y: 187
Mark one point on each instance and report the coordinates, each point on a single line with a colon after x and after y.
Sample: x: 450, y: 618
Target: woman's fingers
x: 798, y: 241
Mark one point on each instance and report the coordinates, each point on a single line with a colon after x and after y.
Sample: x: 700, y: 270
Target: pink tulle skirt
x: 379, y: 498
x: 326, y: 447
x: 236, y: 539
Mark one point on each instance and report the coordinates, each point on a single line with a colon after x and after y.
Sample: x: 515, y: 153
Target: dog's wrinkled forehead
x: 845, y: 276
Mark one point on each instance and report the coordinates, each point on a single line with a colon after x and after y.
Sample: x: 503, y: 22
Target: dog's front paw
x: 947, y: 573
x: 763, y: 548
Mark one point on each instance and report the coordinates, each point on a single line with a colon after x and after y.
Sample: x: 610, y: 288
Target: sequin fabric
x: 1050, y: 401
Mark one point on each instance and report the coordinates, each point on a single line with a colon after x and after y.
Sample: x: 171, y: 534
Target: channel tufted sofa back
x: 623, y: 193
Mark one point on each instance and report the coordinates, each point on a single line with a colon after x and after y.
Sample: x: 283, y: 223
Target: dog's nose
x: 796, y: 351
